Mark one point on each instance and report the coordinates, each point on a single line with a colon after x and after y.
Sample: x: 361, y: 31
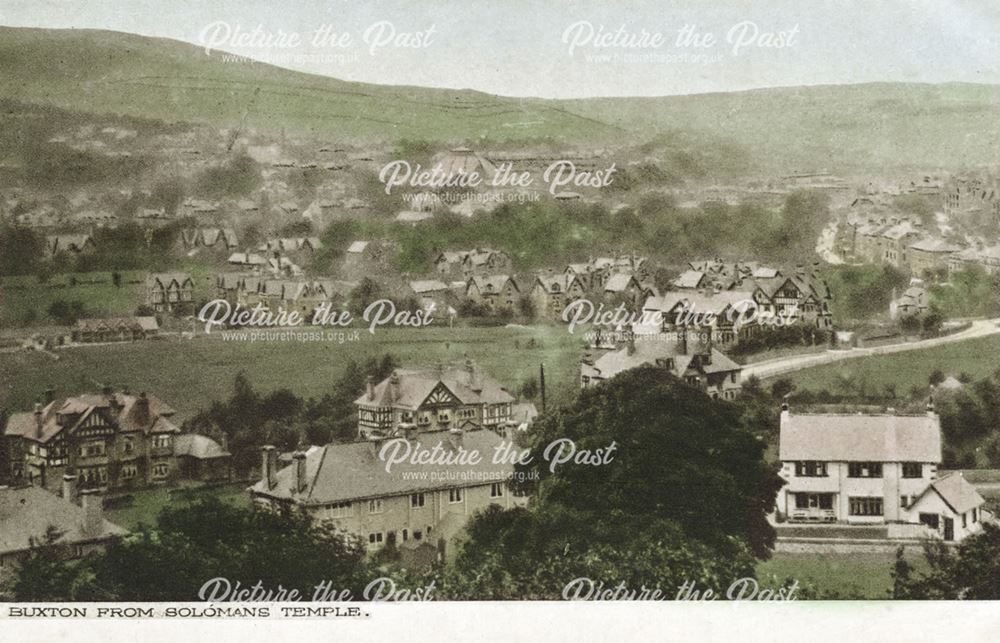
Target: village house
x: 686, y: 355
x: 913, y: 301
x: 552, y: 293
x: 987, y: 259
x: 624, y: 288
x: 717, y: 314
x: 864, y: 468
x: 885, y: 240
x: 170, y: 292
x: 202, y: 458
x: 466, y: 263
x: 123, y: 329
x: 972, y: 194
x: 494, y: 292
x: 434, y: 296
x: 33, y: 517
x: 111, y: 440
x: 433, y: 399
x: 929, y: 256
x: 349, y: 486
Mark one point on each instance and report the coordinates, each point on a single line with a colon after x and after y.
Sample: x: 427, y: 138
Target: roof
x: 428, y: 286
x: 654, y: 352
x: 357, y: 246
x: 934, y: 245
x: 126, y: 413
x: 619, y: 282
x: 198, y: 446
x: 118, y: 323
x: 860, y: 437
x: 27, y: 513
x: 491, y: 283
x: 353, y: 471
x: 689, y: 279
x: 956, y: 491
x: 467, y: 382
x: 166, y: 278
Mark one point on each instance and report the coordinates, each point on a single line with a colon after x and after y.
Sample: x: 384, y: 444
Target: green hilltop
x: 845, y: 128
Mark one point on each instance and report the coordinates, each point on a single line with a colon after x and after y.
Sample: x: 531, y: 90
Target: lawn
x: 132, y: 508
x: 189, y: 374
x: 977, y: 357
x: 861, y: 575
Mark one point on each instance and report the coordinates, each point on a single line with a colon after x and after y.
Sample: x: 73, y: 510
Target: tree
x: 66, y: 313
x: 640, y: 516
x: 971, y: 571
x: 195, y: 543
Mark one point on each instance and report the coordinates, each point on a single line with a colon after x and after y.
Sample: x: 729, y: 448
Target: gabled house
x: 109, y: 440
x: 433, y: 399
x: 123, y: 329
x: 688, y: 356
x: 170, y: 292
x: 552, y: 293
x: 494, y: 291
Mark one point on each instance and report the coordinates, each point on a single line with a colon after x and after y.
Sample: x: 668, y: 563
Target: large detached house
x: 417, y: 507
x: 109, y: 440
x: 873, y: 469
x: 446, y: 397
x: 694, y: 361
x: 170, y: 291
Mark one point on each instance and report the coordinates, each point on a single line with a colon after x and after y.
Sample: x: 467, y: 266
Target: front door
x: 949, y: 529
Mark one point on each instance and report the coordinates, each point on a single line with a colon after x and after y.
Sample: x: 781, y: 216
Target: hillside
x: 849, y: 128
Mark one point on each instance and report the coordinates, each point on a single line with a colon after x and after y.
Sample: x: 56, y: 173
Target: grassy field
x: 22, y: 296
x: 145, y: 505
x: 862, y: 575
x: 189, y: 374
x: 977, y: 357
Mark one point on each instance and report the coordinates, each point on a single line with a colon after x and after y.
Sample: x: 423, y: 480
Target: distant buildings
x: 467, y: 263
x: 121, y: 329
x: 874, y: 469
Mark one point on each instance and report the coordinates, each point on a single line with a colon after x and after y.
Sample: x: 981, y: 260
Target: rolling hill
x: 845, y: 128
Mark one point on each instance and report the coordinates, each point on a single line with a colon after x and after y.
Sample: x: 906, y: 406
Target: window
x: 913, y: 470
x: 417, y: 500
x: 454, y: 495
x: 904, y: 501
x: 810, y: 469
x: 375, y: 507
x: 406, y: 535
x: 160, y: 470
x: 864, y: 470
x: 814, y: 501
x: 975, y: 515
x: 802, y: 501
x: 129, y: 471
x: 496, y: 490
x: 417, y: 535
x: 375, y: 538
x: 337, y: 510
x: 865, y: 506
x: 128, y: 446
x: 161, y: 441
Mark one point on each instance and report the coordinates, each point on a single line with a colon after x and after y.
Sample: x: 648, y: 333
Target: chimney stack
x: 93, y: 513
x: 269, y: 462
x: 38, y: 420
x: 394, y: 385
x: 300, y: 471
x: 370, y: 386
x: 142, y: 409
x: 930, y: 406
x: 69, y: 487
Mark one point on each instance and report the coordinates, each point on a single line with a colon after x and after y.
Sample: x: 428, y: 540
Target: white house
x: 863, y: 468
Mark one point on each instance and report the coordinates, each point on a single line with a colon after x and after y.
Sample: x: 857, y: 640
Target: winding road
x: 783, y: 365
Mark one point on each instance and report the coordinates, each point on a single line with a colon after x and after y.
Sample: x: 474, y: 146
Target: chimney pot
x: 269, y: 462
x: 370, y: 386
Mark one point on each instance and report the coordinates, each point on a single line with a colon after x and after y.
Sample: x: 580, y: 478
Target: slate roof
x: 956, y: 491
x: 835, y: 437
x: 354, y: 471
x: 415, y: 385
x: 26, y: 513
x: 198, y: 446
x: 129, y: 416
